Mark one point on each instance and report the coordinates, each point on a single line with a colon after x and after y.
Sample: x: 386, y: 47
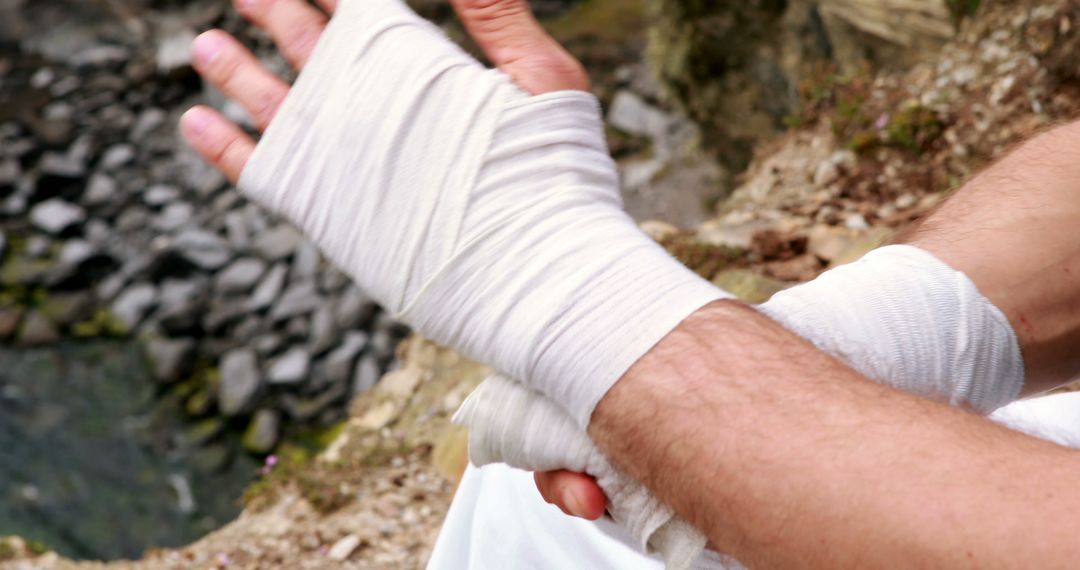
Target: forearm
x: 785, y: 458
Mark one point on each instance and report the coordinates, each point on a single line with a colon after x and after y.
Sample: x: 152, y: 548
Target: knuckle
x: 494, y: 14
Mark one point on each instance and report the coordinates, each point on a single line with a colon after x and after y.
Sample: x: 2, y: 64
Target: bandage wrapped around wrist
x: 899, y: 315
x: 486, y: 219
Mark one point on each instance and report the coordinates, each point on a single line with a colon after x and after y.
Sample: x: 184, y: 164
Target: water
x: 93, y: 463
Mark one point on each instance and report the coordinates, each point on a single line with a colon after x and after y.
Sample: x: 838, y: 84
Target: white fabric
x: 905, y: 319
x: 486, y: 219
x: 509, y: 423
x: 498, y: 519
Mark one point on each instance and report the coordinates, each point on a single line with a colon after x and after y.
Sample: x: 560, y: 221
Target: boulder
x: 266, y: 293
x: 202, y: 248
x: 240, y: 381
x: 366, y: 375
x: 37, y: 330
x: 278, y: 242
x: 132, y: 305
x: 299, y: 299
x: 338, y: 365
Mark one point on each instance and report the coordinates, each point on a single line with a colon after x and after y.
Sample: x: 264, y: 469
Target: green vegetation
x: 102, y: 324
x: 963, y: 8
x: 704, y: 259
x: 7, y: 549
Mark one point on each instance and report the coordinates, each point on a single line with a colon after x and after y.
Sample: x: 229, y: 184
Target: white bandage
x: 509, y: 423
x: 899, y: 315
x: 905, y: 319
x: 486, y: 219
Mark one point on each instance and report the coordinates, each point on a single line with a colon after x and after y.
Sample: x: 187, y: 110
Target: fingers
x: 229, y: 66
x: 576, y: 494
x: 217, y: 140
x: 294, y: 25
x: 328, y: 6
x: 516, y: 43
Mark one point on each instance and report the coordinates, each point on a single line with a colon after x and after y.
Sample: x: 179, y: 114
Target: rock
x: 63, y: 309
x: 658, y: 230
x: 57, y: 174
x: 366, y: 375
x: 268, y: 343
x: 147, y: 122
x: 338, y: 365
x: 299, y: 299
x: 828, y: 242
x: 204, y: 249
x: 304, y: 409
x: 132, y: 305
x: 297, y: 329
x: 291, y: 367
x: 160, y: 194
x: 262, y: 433
x: 182, y: 318
x: 354, y: 308
x: 268, y: 290
x: 37, y: 330
x: 56, y: 216
x: 344, y: 548
x: 174, y: 53
x: 3, y: 244
x: 117, y: 156
x: 240, y: 276
x: 38, y: 247
x: 222, y: 313
x: 211, y: 459
x: 177, y: 291
x: 174, y: 216
x: 382, y: 344
x: 171, y: 359
x: 305, y: 262
x: 324, y: 330
x: 203, y: 432
x: 278, y: 243
x: 856, y: 222
x: 749, y: 286
x: 736, y: 234
x: 9, y: 320
x: 10, y: 172
x: 631, y: 114
x: 240, y: 381
x: 332, y: 280
x: 236, y: 230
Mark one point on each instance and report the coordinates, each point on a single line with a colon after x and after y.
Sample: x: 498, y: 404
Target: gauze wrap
x: 898, y: 315
x: 486, y: 219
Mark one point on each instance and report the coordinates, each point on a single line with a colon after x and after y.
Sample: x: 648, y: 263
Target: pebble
x: 337, y: 366
x: 203, y: 248
x: 131, y: 306
x: 117, y: 156
x: 262, y: 433
x: 101, y: 189
x: 344, y: 548
x: 170, y: 358
x: 37, y: 330
x: 240, y: 276
x: 278, y: 243
x: 268, y: 290
x: 299, y: 299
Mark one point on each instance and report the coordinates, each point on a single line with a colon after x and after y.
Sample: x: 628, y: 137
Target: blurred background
x: 173, y: 356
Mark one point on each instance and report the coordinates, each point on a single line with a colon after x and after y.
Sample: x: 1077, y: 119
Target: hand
x: 576, y: 494
x: 505, y: 30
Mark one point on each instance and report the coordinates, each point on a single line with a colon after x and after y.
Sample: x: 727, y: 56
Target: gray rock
x: 182, y: 318
x: 56, y: 216
x: 262, y: 433
x: 117, y: 156
x: 3, y: 243
x: 354, y: 308
x: 324, y: 331
x: 297, y: 329
x: 204, y: 249
x: 76, y: 251
x: 383, y: 344
x: 147, y: 122
x: 37, y: 330
x: 240, y: 276
x: 224, y: 313
x: 174, y: 216
x: 132, y: 305
x: 37, y: 247
x: 111, y: 286
x: 367, y: 374
x: 248, y: 329
x: 171, y: 359
x: 268, y: 290
x: 160, y: 194
x: 132, y: 219
x: 174, y: 52
x: 305, y: 262
x: 278, y: 243
x: 240, y: 381
x: 236, y: 230
x: 97, y: 231
x: 10, y: 172
x: 299, y: 299
x: 268, y: 343
x: 290, y: 368
x: 338, y: 365
x: 630, y: 113
x: 332, y: 280
x: 176, y: 291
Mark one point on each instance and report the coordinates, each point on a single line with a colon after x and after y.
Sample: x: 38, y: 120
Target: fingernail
x: 573, y: 504
x: 196, y: 121
x: 207, y: 48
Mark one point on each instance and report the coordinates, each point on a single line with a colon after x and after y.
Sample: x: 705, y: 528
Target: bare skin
x: 893, y: 480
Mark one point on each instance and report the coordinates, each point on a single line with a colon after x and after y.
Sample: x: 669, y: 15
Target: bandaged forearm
x: 486, y: 219
x: 899, y: 315
x: 905, y: 319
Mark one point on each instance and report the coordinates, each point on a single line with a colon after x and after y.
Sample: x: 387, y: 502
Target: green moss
x: 36, y: 547
x: 102, y: 324
x: 914, y: 127
x: 961, y: 9
x: 704, y: 259
x: 7, y: 549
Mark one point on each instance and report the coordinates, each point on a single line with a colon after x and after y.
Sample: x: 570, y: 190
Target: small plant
x: 7, y: 549
x: 961, y: 9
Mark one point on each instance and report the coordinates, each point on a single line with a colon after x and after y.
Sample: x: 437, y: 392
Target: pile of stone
x: 110, y: 226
